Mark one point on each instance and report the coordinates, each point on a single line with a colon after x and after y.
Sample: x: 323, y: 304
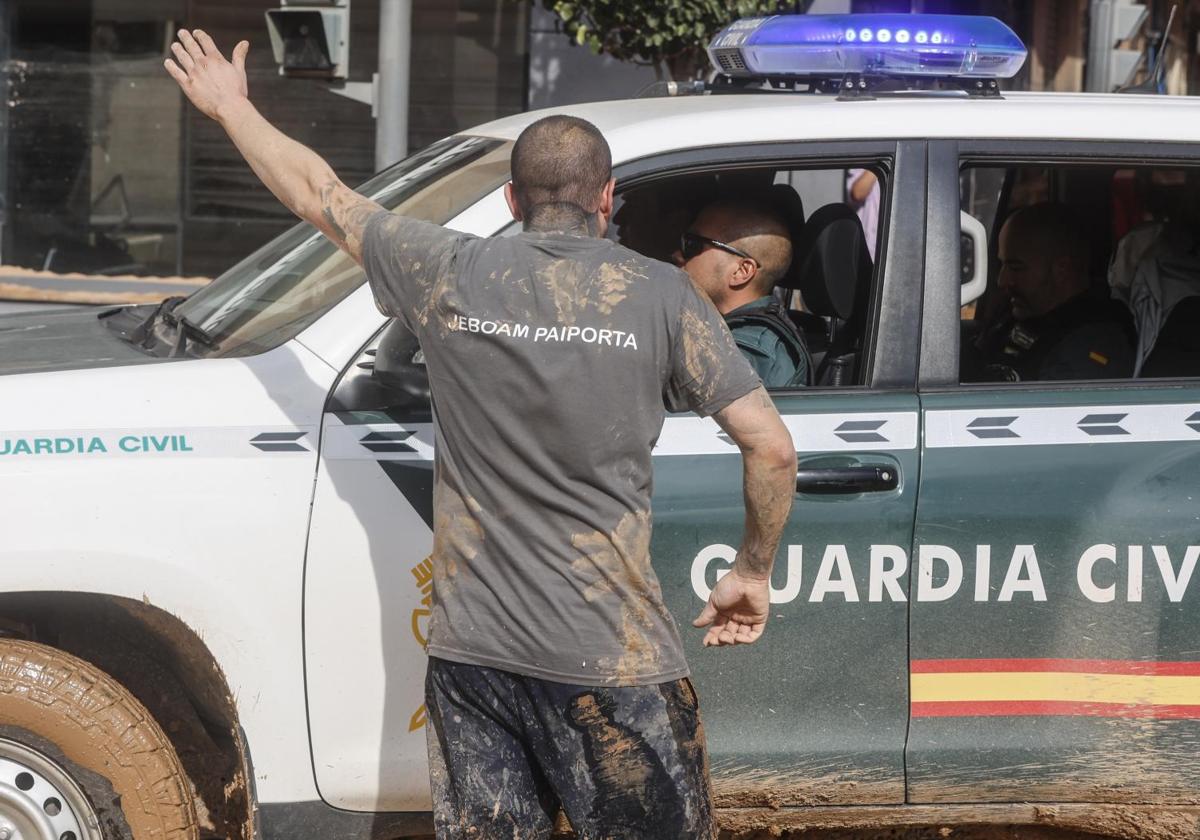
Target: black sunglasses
x: 692, y: 244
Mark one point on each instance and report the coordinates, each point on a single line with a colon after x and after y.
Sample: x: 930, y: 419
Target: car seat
x: 785, y: 201
x: 832, y: 268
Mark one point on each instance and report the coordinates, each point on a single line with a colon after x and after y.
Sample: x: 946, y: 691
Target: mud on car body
x: 217, y: 511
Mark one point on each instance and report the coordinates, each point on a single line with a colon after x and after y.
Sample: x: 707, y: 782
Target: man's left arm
x: 297, y: 175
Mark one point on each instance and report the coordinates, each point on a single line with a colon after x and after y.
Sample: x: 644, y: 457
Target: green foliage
x: 662, y: 33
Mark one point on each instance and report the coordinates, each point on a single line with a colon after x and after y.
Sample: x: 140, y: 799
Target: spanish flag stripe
x: 1091, y: 688
x: 1104, y: 688
x: 1000, y: 708
x: 1071, y: 666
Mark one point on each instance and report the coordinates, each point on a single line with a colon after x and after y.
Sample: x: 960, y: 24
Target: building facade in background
x: 105, y: 171
x: 104, y: 168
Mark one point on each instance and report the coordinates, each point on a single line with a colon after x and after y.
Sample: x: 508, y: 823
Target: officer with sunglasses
x: 736, y: 251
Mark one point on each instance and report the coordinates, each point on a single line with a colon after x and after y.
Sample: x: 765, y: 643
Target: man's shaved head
x: 560, y: 160
x: 750, y: 226
x: 1043, y: 259
x: 1052, y: 231
x: 756, y: 229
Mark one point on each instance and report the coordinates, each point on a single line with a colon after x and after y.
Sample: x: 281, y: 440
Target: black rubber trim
x: 896, y: 315
x: 1066, y: 152
x: 715, y: 158
x: 940, y: 311
x: 292, y: 820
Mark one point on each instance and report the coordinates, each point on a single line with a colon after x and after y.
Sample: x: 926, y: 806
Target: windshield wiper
x: 136, y: 332
x: 186, y: 329
x: 143, y: 333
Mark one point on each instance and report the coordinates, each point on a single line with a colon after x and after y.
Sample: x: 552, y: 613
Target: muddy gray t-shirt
x: 550, y: 357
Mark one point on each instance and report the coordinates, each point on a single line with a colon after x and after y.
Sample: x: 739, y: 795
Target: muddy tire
x: 80, y: 734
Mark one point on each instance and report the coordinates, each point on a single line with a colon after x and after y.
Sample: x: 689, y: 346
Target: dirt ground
x: 964, y: 833
x: 987, y: 832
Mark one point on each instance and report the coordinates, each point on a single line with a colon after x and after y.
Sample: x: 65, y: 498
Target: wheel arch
x: 167, y: 666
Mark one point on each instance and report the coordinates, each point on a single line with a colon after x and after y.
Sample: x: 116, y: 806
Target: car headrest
x: 831, y: 262
x: 785, y: 201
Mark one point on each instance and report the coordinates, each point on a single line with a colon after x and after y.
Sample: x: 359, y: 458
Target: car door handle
x: 847, y: 480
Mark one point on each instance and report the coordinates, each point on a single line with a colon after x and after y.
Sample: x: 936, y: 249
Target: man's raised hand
x: 209, y: 80
x: 296, y: 175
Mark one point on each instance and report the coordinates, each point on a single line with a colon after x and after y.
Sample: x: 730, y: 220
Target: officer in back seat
x: 736, y: 251
x: 1156, y: 272
x: 1063, y: 326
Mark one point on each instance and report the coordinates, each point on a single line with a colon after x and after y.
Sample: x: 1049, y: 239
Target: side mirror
x: 400, y: 363
x: 973, y: 255
x: 389, y: 377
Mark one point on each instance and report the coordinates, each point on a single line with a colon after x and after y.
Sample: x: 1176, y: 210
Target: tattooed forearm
x: 299, y: 178
x: 339, y: 233
x: 768, y: 485
x: 769, y: 459
x: 344, y: 214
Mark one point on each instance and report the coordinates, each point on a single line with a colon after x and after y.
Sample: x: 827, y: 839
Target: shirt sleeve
x: 405, y: 259
x: 770, y: 357
x: 707, y: 370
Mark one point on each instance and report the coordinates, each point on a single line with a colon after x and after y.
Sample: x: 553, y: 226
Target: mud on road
x: 959, y: 833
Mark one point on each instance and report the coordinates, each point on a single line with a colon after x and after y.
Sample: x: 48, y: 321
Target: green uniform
x: 779, y: 362
x: 1088, y: 337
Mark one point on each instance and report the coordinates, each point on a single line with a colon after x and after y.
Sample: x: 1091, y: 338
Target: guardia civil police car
x: 216, y: 512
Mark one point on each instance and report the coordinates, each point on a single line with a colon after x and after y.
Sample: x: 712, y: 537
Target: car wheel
x: 80, y: 757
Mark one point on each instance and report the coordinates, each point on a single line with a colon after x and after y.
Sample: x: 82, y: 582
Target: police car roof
x: 638, y: 127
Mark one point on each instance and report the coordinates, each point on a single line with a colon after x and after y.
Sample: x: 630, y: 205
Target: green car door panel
x: 1054, y: 622
x: 815, y: 711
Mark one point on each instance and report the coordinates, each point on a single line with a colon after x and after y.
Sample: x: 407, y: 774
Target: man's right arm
x: 297, y: 175
x: 737, y: 610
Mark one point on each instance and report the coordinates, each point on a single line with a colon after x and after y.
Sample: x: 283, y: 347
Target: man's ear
x: 606, y: 199
x: 744, y: 274
x: 510, y: 195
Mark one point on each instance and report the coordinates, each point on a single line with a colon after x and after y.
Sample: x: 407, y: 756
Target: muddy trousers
x: 506, y: 751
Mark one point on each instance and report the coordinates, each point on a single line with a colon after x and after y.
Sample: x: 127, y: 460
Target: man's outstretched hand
x: 209, y: 80
x: 296, y: 175
x: 736, y: 612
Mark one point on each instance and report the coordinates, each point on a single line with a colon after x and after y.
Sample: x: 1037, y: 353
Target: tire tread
x: 121, y: 734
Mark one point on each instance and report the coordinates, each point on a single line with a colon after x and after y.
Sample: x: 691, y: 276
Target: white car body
x: 296, y: 568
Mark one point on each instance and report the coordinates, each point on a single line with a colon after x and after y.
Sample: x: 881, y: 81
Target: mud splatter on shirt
x: 550, y: 359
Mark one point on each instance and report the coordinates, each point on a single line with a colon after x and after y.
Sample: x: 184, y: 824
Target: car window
x: 834, y: 218
x: 1094, y: 273
x: 292, y: 281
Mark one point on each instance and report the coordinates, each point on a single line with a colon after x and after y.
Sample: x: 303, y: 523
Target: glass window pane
x: 279, y: 290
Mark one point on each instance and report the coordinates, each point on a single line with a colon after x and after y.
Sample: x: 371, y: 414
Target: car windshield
x: 290, y: 282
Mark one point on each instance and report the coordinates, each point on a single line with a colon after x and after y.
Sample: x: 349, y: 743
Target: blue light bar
x: 889, y: 45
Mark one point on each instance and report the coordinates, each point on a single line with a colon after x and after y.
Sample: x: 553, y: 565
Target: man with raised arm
x: 556, y: 675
